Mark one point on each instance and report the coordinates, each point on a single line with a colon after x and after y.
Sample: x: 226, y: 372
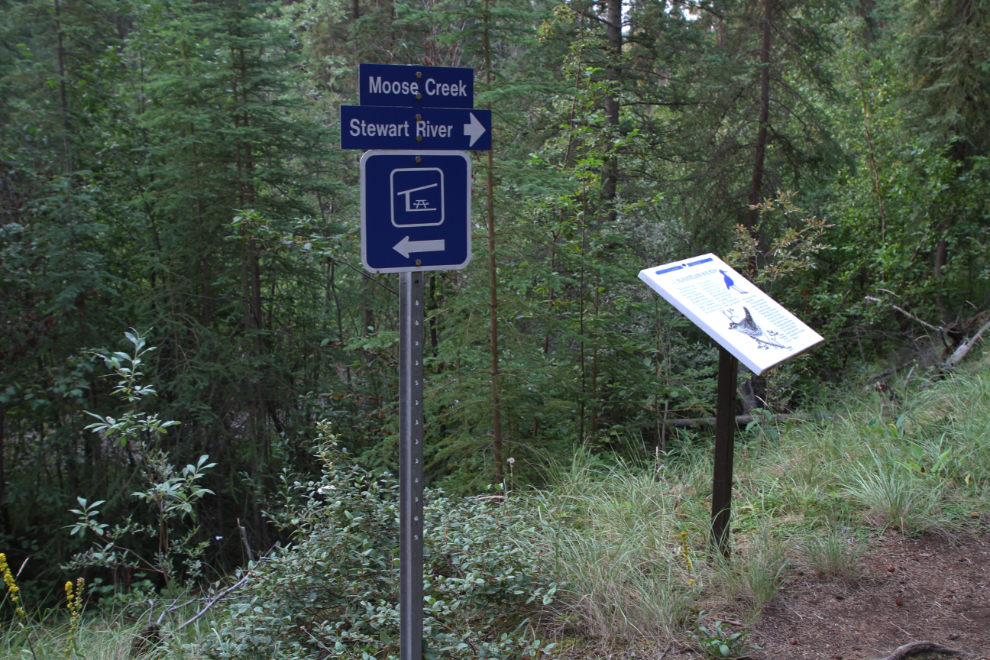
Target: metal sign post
x: 415, y: 217
x: 725, y: 426
x: 411, y: 465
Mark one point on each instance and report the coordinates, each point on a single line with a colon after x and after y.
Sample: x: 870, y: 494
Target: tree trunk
x: 62, y: 95
x: 434, y: 335
x: 941, y: 259
x: 584, y: 377
x: 610, y: 174
x: 4, y: 514
x: 367, y: 308
x: 205, y: 292
x: 957, y: 154
x: 756, y: 183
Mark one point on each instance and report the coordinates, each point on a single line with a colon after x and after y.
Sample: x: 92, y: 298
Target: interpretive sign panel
x: 435, y: 129
x: 734, y: 312
x: 415, y: 211
x: 416, y: 86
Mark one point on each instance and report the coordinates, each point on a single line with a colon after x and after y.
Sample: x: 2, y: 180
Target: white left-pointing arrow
x: 405, y: 246
x: 475, y: 129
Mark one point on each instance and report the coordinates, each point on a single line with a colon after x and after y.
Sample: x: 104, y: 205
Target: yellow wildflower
x: 75, y: 607
x: 12, y: 588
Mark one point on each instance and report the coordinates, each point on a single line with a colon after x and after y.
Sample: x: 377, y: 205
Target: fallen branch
x: 895, y: 370
x: 909, y: 315
x: 742, y: 420
x: 963, y: 350
x: 916, y: 648
x: 214, y: 601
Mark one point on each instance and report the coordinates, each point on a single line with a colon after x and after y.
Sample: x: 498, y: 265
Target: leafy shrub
x: 716, y: 641
x: 170, y: 493
x: 334, y: 594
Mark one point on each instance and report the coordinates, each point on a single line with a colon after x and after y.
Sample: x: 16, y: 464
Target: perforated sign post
x: 415, y: 217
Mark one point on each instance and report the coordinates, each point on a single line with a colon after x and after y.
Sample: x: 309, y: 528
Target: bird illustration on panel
x: 749, y: 327
x: 730, y: 284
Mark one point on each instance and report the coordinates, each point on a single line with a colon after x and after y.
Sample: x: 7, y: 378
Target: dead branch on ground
x: 917, y: 648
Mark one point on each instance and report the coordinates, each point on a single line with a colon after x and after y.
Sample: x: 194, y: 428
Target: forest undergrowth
x: 610, y: 556
x: 631, y: 542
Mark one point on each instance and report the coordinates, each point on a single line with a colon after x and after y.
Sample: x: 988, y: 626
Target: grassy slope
x: 630, y: 541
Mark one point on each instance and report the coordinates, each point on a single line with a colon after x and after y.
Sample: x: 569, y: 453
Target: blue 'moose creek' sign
x: 415, y: 86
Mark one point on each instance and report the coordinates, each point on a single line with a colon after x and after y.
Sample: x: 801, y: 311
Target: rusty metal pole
x: 725, y: 426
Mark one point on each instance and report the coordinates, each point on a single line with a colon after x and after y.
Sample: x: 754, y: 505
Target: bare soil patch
x: 938, y: 591
x: 930, y: 589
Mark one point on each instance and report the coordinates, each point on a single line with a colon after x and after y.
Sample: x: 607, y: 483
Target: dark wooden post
x: 725, y: 426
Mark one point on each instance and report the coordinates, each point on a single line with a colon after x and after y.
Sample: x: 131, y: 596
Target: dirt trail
x: 914, y: 589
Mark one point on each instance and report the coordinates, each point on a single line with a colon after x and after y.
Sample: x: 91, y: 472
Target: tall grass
x: 752, y: 580
x: 97, y: 638
x: 616, y: 541
x: 894, y: 496
x: 104, y: 634
x: 834, y: 554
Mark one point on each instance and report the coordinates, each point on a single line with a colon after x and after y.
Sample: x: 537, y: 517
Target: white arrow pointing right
x: 474, y: 129
x: 405, y: 246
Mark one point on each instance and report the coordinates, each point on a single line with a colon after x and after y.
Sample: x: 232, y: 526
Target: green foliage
x: 795, y: 247
x: 609, y: 553
x: 334, y: 592
x: 173, y: 165
x: 132, y: 425
x: 717, y: 640
x: 944, y: 55
x: 910, y: 206
x: 171, y: 495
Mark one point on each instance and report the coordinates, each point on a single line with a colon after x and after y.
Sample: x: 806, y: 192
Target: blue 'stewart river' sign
x: 444, y: 129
